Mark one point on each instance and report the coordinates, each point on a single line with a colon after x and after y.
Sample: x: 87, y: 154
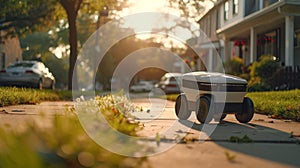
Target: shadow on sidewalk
x: 267, y: 143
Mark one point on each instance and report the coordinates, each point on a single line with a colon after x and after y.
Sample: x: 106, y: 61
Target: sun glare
x: 147, y: 5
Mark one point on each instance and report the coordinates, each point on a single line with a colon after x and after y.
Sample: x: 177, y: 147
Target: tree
x: 20, y: 17
x: 72, y: 7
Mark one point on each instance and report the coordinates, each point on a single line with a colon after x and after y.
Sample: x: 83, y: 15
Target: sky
x: 138, y: 6
x: 155, y: 5
x: 161, y: 6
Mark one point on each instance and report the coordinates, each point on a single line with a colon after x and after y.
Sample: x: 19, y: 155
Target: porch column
x: 227, y: 50
x: 289, y: 40
x: 252, y: 45
x: 210, y: 60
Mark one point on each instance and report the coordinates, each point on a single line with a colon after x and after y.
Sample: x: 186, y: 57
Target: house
x: 252, y: 28
x: 10, y: 51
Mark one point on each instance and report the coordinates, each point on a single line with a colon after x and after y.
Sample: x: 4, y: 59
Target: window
x: 235, y: 7
x: 251, y: 6
x: 2, y: 60
x: 217, y: 19
x: 267, y: 3
x: 268, y: 44
x: 21, y: 64
x: 297, y: 38
x: 208, y: 26
x: 226, y: 10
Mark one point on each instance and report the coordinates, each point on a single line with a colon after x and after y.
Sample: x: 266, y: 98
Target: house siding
x: 10, y: 51
x: 255, y: 21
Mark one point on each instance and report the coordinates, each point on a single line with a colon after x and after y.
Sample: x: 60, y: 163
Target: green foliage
x: 244, y: 139
x: 171, y: 97
x: 230, y: 157
x: 13, y: 96
x: 59, y: 69
x: 116, y: 110
x: 64, y: 143
x: 24, y: 16
x: 262, y: 73
x: 281, y: 104
x: 255, y: 85
x: 234, y: 66
x: 266, y: 68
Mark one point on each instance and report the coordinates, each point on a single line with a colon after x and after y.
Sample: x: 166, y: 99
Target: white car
x: 142, y: 86
x: 213, y: 95
x: 170, y: 83
x: 27, y: 74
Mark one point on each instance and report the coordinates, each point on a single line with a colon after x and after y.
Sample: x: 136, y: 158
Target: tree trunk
x: 72, y: 76
x: 72, y: 7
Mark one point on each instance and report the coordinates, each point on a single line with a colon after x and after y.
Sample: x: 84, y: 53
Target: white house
x: 252, y: 28
x: 10, y: 51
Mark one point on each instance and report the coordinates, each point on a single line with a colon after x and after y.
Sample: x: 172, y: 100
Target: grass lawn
x: 279, y: 104
x: 13, y: 96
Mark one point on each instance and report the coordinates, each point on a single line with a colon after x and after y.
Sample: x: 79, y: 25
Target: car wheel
x: 247, y: 111
x: 223, y: 117
x: 181, y: 107
x: 52, y: 86
x: 39, y: 85
x: 202, y: 109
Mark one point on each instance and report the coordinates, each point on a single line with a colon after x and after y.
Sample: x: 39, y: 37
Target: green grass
x: 13, y: 96
x: 171, y: 97
x: 280, y: 104
x: 65, y: 143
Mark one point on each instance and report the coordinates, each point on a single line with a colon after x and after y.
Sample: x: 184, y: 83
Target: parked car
x: 170, y: 83
x: 142, y: 86
x: 27, y: 74
x: 213, y: 95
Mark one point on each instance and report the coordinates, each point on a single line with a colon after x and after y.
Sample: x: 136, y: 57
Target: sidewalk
x: 272, y: 146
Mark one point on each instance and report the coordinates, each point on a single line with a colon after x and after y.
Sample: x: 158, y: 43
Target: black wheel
x: 52, y: 86
x: 223, y: 116
x: 202, y: 109
x: 247, y: 111
x: 39, y: 85
x: 181, y: 107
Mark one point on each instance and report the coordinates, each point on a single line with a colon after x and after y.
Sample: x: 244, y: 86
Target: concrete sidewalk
x: 275, y: 142
x: 16, y: 116
x: 272, y: 146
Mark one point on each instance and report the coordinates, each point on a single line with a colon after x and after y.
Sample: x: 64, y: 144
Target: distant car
x: 170, y: 83
x: 27, y: 74
x: 142, y: 86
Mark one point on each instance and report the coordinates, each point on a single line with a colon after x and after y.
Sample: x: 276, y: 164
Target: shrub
x: 234, y: 66
x: 266, y: 68
x: 262, y: 72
